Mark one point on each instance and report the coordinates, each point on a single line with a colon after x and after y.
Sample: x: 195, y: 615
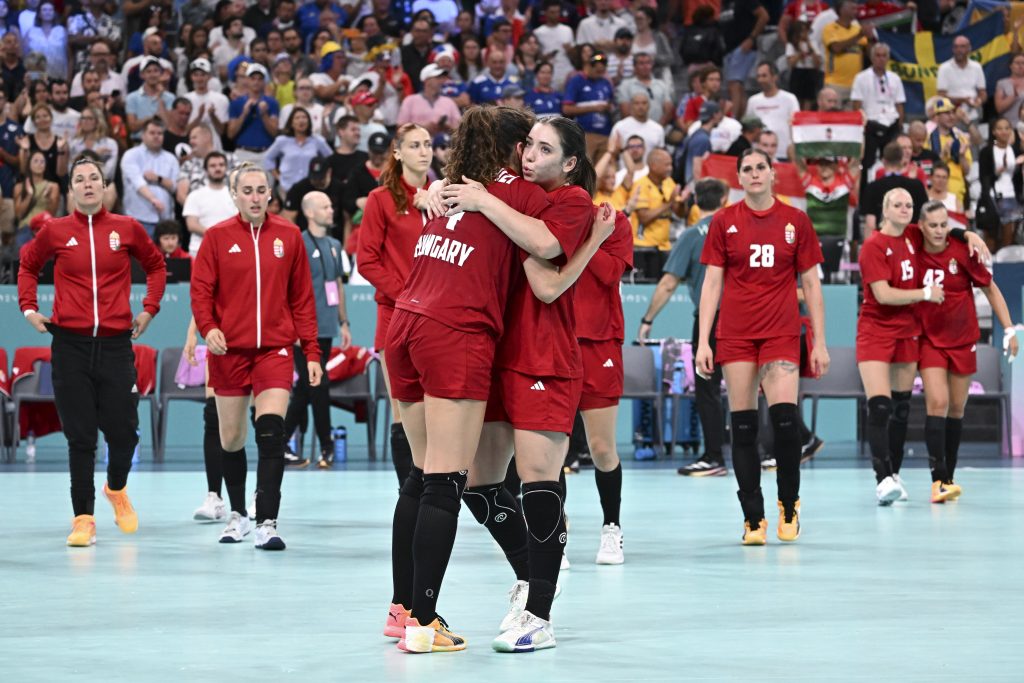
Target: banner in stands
x: 916, y: 57
x: 979, y: 9
x: 787, y: 180
x: 828, y: 134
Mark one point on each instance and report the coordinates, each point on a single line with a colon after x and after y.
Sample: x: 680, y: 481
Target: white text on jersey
x: 452, y: 251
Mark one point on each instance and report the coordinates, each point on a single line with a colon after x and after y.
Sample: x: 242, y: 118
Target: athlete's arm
x: 190, y: 342
x: 710, y: 294
x: 662, y: 293
x: 549, y: 282
x: 1002, y: 313
x: 346, y: 331
x: 811, y: 288
x: 888, y: 295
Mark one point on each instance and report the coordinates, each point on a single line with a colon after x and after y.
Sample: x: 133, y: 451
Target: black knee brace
x: 900, y: 406
x: 879, y: 410
x: 490, y: 504
x: 444, y: 490
x: 413, y: 486
x: 542, y: 507
x: 211, y: 421
x: 270, y: 436
x: 879, y: 413
x: 744, y: 428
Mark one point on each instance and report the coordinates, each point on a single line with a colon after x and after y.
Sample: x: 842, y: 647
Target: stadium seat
x: 990, y: 375
x: 381, y: 392
x: 34, y: 387
x: 167, y: 391
x: 6, y: 411
x: 359, y: 389
x: 842, y: 381
x: 641, y: 382
x: 1011, y: 254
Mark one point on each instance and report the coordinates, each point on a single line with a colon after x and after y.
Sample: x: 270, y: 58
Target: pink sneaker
x: 394, y: 627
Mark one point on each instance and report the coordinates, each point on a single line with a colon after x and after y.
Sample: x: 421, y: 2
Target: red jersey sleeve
x: 523, y: 196
x: 808, y: 252
x: 714, y: 244
x: 204, y: 276
x: 873, y: 267
x: 978, y: 274
x: 145, y: 252
x: 692, y: 111
x: 569, y: 219
x: 302, y: 301
x: 370, y: 254
x: 37, y: 252
x: 615, y: 256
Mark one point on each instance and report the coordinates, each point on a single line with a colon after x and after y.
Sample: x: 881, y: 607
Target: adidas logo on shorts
x: 283, y: 352
x: 539, y: 386
x: 609, y: 364
x: 235, y: 249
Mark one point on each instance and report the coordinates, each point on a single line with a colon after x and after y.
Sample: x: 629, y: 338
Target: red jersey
x: 254, y: 284
x: 463, y: 267
x: 598, y: 291
x: 954, y: 322
x: 386, y: 242
x: 893, y: 260
x: 92, y: 271
x: 801, y: 11
x: 540, y: 339
x: 761, y: 252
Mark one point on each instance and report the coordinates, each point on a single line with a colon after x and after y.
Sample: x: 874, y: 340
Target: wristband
x: 29, y: 311
x: 927, y: 293
x: 343, y: 322
x: 645, y: 321
x: 1008, y: 334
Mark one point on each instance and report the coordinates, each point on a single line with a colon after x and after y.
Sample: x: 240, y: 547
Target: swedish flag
x: 916, y: 57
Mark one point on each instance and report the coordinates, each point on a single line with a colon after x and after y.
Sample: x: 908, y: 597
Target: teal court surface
x: 916, y: 592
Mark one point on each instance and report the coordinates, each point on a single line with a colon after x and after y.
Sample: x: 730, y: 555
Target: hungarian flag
x: 958, y: 220
x: 818, y: 134
x: 788, y: 187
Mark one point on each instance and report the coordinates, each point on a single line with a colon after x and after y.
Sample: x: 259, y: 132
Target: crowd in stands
x: 171, y: 94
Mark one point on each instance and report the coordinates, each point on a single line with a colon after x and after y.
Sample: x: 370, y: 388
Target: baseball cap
x: 512, y: 91
x: 318, y: 166
x: 329, y: 47
x: 256, y: 68
x: 146, y: 63
x: 943, y: 105
x: 379, y: 143
x: 201, y: 64
x: 708, y: 111
x: 364, y: 97
x: 432, y: 71
x: 623, y: 33
x: 442, y: 140
x: 150, y: 31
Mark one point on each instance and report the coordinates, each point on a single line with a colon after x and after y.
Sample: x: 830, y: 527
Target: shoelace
x: 515, y: 592
x: 609, y: 542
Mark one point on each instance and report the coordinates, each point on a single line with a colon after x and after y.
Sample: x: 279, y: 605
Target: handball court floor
x: 916, y: 592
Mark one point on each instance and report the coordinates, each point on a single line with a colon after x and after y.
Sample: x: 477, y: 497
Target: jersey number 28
x: 762, y: 255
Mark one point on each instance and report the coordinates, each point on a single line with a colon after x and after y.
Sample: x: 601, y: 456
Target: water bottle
x: 30, y: 448
x: 678, y: 377
x: 340, y: 436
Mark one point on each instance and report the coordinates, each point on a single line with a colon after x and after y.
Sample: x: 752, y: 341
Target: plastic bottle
x: 340, y: 435
x: 30, y: 448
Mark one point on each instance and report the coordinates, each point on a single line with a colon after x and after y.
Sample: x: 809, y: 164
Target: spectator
x: 471, y: 63
x: 196, y: 46
x: 508, y: 14
x: 168, y: 239
x: 637, y: 124
x: 318, y: 179
x: 599, y: 28
x: 219, y: 33
x: 233, y: 45
x: 798, y: 10
x: 10, y: 133
x: 658, y: 199
x: 513, y: 96
x: 8, y: 20
x: 363, y: 179
x: 152, y: 49
x: 430, y: 109
x: 555, y: 41
x: 923, y: 157
x: 951, y: 145
x: 178, y: 127
x: 710, y: 78
x: 332, y: 77
x: 767, y: 142
x: 543, y: 99
x: 27, y: 16
x: 12, y: 69
x: 452, y: 86
x: 259, y: 16
x: 908, y: 169
x: 90, y: 26
x: 209, y: 204
x: 363, y: 103
x: 488, y: 86
x: 590, y: 98
x: 830, y: 188
x: 53, y: 147
x: 304, y: 98
x: 697, y: 146
x: 253, y: 119
x: 149, y: 174
x: 527, y: 59
x: 440, y: 143
x: 939, y: 189
x: 282, y: 83
x: 416, y: 55
x: 749, y: 133
x: 828, y: 100
x: 750, y: 18
x: 303, y: 63
x: 192, y: 174
x: 620, y: 57
x: 805, y: 62
x: 193, y: 12
x: 100, y: 57
x: 874, y: 193
x: 500, y: 40
x: 209, y: 105
x: 962, y: 80
x: 34, y: 194
x: 1009, y: 91
x: 643, y: 80
x: 289, y: 156
x: 90, y: 82
x: 311, y: 15
x: 774, y: 106
x: 152, y: 99
x: 999, y: 170
x: 92, y: 135
x: 648, y: 40
x: 284, y: 16
x: 844, y: 41
x: 65, y: 119
x: 389, y: 84
x: 50, y: 39
x: 879, y: 93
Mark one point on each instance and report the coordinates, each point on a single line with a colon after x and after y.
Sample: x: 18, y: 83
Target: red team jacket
x: 598, y: 298
x: 258, y: 297
x: 92, y: 272
x: 387, y: 240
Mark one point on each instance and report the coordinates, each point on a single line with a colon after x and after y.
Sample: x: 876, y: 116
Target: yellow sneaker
x: 435, y: 637
x: 954, y: 490
x: 124, y: 514
x: 941, y: 492
x: 789, y: 525
x: 758, y: 536
x: 83, y: 531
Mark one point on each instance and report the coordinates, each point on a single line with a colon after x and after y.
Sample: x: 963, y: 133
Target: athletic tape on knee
x: 879, y: 410
x: 270, y: 436
x: 542, y: 507
x: 444, y: 490
x: 413, y: 486
x: 901, y: 405
x: 744, y: 427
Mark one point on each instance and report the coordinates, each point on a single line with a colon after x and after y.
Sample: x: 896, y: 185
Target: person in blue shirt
x: 488, y: 86
x: 590, y: 99
x: 253, y: 119
x: 698, y: 145
x: 308, y: 16
x: 543, y: 99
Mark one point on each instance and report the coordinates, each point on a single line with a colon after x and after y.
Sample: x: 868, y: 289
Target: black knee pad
x: 270, y: 437
x: 900, y: 405
x: 744, y: 428
x: 211, y: 421
x: 542, y: 507
x: 413, y: 486
x: 879, y: 410
x: 490, y: 504
x: 785, y: 421
x: 444, y: 490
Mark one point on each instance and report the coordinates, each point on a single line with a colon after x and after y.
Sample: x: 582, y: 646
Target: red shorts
x: 380, y: 335
x: 602, y: 373
x: 427, y: 357
x: 760, y: 351
x: 869, y: 347
x: 960, y: 360
x: 251, y: 371
x: 535, y: 404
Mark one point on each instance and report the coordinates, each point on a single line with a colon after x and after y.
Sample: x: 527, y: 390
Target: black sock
x: 433, y: 540
x: 403, y: 526
x: 785, y: 425
x: 898, y: 428
x: 542, y: 507
x: 879, y: 412
x: 565, y: 488
x: 496, y: 508
x: 401, y: 452
x: 935, y: 439
x: 747, y: 465
x: 512, y: 482
x: 609, y: 490
x: 235, y: 467
x: 270, y: 442
x: 213, y: 454
x: 954, y: 430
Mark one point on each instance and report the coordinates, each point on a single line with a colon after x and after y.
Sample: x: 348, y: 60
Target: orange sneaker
x: 758, y: 536
x: 942, y: 492
x: 83, y: 531
x: 124, y: 514
x: 954, y: 490
x: 434, y: 637
x: 394, y: 627
x: 789, y: 524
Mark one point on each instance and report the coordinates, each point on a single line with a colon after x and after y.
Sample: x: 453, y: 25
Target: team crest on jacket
x: 790, y: 233
x: 115, y: 241
x: 278, y: 248
x: 952, y: 266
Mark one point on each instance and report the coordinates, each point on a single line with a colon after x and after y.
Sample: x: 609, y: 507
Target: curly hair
x: 474, y: 151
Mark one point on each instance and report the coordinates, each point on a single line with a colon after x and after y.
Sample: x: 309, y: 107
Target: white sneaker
x: 516, y: 604
x: 565, y: 566
x: 903, y: 489
x: 887, y: 491
x: 212, y: 510
x: 610, y: 550
x: 251, y: 510
x: 238, y: 528
x: 528, y: 634
x: 267, y: 537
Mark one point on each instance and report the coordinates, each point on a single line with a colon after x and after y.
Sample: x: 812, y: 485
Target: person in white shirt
x: 304, y: 98
x: 599, y: 28
x: 233, y: 45
x: 555, y: 39
x: 774, y: 106
x: 962, y: 79
x: 638, y: 124
x: 209, y: 105
x: 879, y: 94
x: 209, y: 204
x: 101, y: 57
x: 65, y: 119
